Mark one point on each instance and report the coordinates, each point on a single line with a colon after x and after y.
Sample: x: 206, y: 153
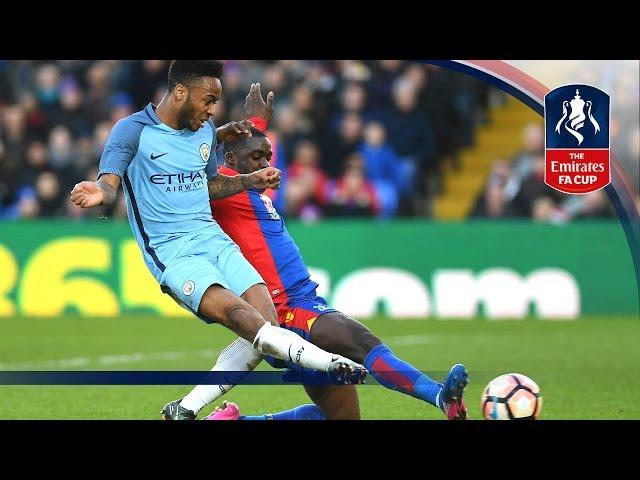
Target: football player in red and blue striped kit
x: 250, y: 219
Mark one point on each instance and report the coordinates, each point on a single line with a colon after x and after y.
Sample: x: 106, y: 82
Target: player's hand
x: 86, y: 194
x: 266, y: 178
x: 255, y: 106
x: 234, y: 130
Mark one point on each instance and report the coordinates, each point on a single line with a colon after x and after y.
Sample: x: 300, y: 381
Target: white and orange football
x: 511, y: 397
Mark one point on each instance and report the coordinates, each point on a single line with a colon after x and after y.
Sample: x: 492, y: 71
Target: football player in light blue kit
x: 162, y: 156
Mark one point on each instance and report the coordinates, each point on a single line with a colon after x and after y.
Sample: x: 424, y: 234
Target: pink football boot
x: 228, y: 411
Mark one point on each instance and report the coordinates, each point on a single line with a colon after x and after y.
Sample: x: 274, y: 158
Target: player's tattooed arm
x: 91, y: 194
x: 224, y: 186
x: 109, y: 185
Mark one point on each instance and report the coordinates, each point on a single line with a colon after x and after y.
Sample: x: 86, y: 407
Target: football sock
x: 397, y: 374
x: 287, y: 346
x: 303, y: 412
x: 239, y: 356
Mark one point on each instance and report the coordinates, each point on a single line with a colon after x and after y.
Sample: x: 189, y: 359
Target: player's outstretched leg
x: 239, y: 356
x: 286, y: 345
x: 337, y: 332
x: 231, y: 411
x: 332, y: 402
x: 224, y: 307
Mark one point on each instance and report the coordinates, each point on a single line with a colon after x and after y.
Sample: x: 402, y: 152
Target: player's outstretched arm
x: 233, y: 130
x: 255, y: 106
x: 91, y: 194
x: 222, y: 186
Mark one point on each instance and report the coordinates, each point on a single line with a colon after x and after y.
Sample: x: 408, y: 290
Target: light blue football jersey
x: 164, y: 176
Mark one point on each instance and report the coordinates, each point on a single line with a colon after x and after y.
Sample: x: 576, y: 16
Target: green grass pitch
x: 587, y: 369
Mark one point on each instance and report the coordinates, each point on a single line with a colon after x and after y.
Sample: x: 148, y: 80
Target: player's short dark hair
x: 188, y: 72
x: 233, y: 146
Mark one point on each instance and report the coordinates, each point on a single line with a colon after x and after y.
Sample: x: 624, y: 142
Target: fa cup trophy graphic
x: 577, y: 139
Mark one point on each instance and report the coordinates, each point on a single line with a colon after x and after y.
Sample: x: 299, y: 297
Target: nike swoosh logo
x: 153, y: 157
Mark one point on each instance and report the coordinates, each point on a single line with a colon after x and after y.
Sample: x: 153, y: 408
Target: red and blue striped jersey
x: 251, y: 221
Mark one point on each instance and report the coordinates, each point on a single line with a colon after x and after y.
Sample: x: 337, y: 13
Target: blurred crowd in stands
x: 515, y: 186
x: 353, y: 138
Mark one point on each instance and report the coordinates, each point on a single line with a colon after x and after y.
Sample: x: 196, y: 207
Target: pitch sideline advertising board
x: 404, y: 269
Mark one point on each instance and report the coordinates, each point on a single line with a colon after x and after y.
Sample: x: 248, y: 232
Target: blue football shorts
x: 195, y: 269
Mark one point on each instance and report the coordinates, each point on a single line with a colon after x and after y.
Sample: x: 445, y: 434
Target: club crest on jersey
x: 188, y: 287
x: 205, y: 151
x: 269, y: 206
x: 577, y: 139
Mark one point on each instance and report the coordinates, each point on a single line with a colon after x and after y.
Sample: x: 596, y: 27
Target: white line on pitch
x: 107, y: 360
x: 404, y: 340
